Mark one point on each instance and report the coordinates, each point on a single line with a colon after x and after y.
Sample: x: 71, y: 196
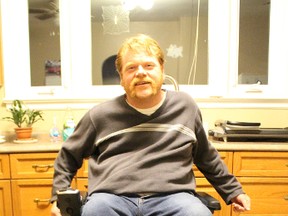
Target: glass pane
x: 181, y: 28
x: 44, y: 34
x: 253, y: 41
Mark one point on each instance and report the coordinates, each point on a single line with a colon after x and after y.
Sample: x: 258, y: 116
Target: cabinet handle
x: 37, y: 200
x: 46, y: 167
x: 286, y: 197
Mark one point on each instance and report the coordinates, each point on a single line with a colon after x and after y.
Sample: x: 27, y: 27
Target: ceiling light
x: 132, y: 4
x: 129, y: 5
x: 146, y: 5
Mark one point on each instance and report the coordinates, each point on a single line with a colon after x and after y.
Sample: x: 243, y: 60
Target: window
x: 258, y: 68
x: 210, y: 61
x: 181, y: 28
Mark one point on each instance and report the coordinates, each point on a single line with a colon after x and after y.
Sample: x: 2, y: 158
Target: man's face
x: 141, y: 75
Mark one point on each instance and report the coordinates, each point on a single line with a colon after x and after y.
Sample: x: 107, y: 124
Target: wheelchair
x: 70, y: 201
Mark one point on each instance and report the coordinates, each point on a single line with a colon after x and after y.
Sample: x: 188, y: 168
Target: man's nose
x: 140, y: 71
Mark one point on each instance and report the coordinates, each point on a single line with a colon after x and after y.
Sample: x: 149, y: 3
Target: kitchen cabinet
x: 204, y: 185
x: 26, y: 178
x: 1, y: 57
x: 31, y: 182
x: 5, y: 188
x: 264, y: 176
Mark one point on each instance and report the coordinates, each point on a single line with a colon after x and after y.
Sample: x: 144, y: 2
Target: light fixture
x: 115, y: 20
x: 132, y: 4
x: 146, y: 5
x: 129, y: 5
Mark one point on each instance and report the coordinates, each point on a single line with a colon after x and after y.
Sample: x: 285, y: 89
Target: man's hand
x: 55, y: 211
x: 241, y: 203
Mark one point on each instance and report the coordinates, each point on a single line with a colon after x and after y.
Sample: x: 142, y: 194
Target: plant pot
x: 23, y: 133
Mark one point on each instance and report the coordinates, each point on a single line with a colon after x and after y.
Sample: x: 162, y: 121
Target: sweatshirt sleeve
x: 70, y: 158
x: 209, y: 162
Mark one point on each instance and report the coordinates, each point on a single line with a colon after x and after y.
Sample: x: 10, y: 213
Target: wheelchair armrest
x: 212, y: 203
x: 69, y: 201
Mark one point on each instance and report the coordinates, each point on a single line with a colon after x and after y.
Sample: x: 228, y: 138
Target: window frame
x: 77, y: 87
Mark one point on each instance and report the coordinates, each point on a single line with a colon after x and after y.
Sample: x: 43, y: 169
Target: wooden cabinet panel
x: 264, y: 176
x: 269, y: 196
x: 261, y: 164
x: 5, y: 198
x: 83, y: 171
x: 31, y: 197
x: 227, y: 157
x: 204, y: 185
x: 1, y: 56
x: 82, y: 184
x: 4, y: 166
x: 37, y: 165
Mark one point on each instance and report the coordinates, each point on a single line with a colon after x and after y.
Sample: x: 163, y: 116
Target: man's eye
x: 131, y: 68
x: 149, y: 66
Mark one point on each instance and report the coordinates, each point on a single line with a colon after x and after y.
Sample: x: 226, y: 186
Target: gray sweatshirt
x: 132, y: 153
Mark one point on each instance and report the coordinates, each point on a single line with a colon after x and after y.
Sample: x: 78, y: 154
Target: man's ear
x: 120, y: 75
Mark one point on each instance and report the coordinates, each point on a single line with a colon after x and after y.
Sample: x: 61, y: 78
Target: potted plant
x: 24, y: 119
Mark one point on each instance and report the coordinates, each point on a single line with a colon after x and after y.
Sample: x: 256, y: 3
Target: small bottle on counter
x: 55, y: 132
x: 69, y: 124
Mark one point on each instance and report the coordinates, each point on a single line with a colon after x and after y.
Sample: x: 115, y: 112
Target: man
x: 142, y: 145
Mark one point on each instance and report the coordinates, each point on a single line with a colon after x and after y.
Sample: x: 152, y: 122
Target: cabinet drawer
x: 227, y: 157
x: 269, y: 196
x: 38, y: 165
x: 261, y: 164
x: 4, y: 166
x: 31, y: 197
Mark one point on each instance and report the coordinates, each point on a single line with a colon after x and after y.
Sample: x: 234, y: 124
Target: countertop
x: 44, y: 144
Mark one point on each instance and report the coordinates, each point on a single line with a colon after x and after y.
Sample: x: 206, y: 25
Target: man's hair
x: 137, y: 44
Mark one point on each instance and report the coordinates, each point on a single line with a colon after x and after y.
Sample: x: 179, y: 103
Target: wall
x: 267, y: 116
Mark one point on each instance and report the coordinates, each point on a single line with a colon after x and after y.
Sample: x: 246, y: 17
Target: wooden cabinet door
x: 4, y: 166
x: 82, y: 184
x: 1, y: 56
x: 269, y: 196
x: 204, y: 185
x: 265, y: 164
x: 31, y: 197
x: 5, y: 198
x: 37, y: 165
x: 227, y: 157
x: 83, y: 171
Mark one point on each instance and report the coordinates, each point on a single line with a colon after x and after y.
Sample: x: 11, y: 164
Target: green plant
x: 23, y: 117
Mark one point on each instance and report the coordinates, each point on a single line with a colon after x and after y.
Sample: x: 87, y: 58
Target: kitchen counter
x: 251, y: 146
x: 40, y: 143
x: 44, y: 144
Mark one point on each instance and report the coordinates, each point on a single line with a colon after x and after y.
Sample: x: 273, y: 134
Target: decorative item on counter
x: 2, y: 139
x: 55, y: 134
x: 69, y: 124
x: 24, y: 118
